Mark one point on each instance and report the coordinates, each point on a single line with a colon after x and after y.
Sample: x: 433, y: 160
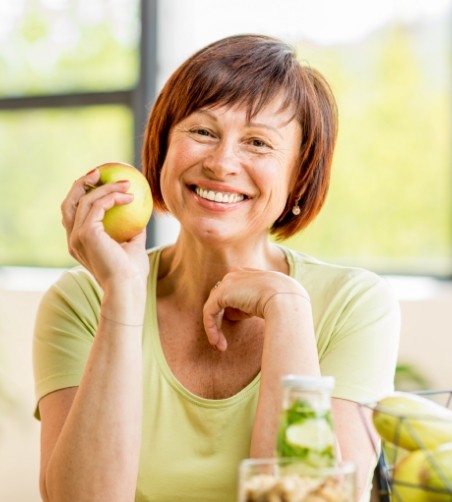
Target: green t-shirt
x: 191, y: 447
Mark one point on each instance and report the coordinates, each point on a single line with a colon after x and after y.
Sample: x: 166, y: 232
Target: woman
x: 158, y: 371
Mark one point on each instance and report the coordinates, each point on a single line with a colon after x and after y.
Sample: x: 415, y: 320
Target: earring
x: 296, y: 208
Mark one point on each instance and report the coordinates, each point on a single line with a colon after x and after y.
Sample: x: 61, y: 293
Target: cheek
x: 174, y: 162
x: 179, y: 159
x: 168, y: 177
x: 292, y: 175
x: 284, y: 177
x: 283, y: 185
x: 182, y: 155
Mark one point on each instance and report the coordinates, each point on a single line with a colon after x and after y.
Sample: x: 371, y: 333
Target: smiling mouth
x: 224, y: 197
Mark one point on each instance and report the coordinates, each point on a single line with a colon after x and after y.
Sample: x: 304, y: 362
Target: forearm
x: 97, y: 453
x: 356, y: 439
x: 289, y: 347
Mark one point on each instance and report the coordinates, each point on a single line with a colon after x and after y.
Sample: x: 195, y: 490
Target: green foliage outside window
x: 45, y: 151
x: 52, y: 47
x: 389, y: 206
x: 68, y: 45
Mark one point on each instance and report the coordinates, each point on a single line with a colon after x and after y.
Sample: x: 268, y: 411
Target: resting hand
x: 244, y: 293
x: 89, y: 244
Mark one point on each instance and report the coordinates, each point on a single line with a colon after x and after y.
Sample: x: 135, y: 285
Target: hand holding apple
x: 123, y: 222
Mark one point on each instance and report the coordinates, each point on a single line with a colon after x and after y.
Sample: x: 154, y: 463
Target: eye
x: 259, y: 144
x: 200, y: 131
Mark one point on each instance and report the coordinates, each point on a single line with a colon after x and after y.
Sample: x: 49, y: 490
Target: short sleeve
x: 64, y: 330
x: 363, y: 346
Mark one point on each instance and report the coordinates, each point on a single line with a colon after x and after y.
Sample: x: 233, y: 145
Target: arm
x: 289, y: 341
x: 355, y: 444
x: 90, y: 438
x: 362, y: 354
x: 289, y: 348
x: 293, y: 349
x: 91, y: 435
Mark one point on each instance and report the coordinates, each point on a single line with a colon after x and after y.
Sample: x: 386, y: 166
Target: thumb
x: 212, y: 326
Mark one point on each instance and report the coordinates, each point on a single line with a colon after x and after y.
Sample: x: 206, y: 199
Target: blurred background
x: 77, y: 80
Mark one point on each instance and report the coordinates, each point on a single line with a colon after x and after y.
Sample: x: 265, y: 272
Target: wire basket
x: 390, y: 453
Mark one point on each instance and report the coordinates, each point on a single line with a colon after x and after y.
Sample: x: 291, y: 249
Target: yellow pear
x: 424, y: 476
x: 412, y: 421
x: 436, y: 472
x: 405, y: 479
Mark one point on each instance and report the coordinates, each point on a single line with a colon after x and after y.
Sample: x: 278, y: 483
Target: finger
x: 88, y: 228
x: 88, y: 220
x: 138, y: 240
x: 93, y: 206
x: 212, y: 318
x: 78, y: 190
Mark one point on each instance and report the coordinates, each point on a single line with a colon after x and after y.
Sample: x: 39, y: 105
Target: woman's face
x: 226, y: 178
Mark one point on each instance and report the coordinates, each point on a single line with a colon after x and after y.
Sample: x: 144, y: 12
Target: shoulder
x: 74, y: 283
x: 307, y: 267
x: 72, y: 300
x: 333, y: 282
x: 79, y: 281
x: 76, y: 288
x: 154, y: 254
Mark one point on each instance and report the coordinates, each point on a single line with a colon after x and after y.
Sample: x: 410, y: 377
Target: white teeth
x: 225, y: 197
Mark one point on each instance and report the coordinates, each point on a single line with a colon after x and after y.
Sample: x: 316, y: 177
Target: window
x: 47, y: 149
x: 55, y: 46
x: 72, y: 95
x: 389, y: 206
x: 77, y: 80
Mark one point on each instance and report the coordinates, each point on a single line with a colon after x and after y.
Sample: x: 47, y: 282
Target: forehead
x: 275, y: 112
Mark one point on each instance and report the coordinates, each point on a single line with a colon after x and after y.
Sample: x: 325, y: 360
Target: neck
x: 190, y: 268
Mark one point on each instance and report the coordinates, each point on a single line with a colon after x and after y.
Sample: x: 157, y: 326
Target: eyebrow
x: 251, y: 124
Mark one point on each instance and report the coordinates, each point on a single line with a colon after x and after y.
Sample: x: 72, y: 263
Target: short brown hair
x: 251, y: 70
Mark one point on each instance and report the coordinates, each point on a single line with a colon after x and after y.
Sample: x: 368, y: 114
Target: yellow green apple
x: 424, y: 476
x: 406, y: 478
x: 123, y: 222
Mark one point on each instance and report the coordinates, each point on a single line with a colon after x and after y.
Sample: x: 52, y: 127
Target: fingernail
x: 91, y: 172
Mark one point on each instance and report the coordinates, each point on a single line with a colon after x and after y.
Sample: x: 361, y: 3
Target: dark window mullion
x: 146, y: 88
x: 68, y: 100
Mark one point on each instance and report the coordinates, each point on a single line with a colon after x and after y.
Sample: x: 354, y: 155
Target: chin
x: 214, y: 234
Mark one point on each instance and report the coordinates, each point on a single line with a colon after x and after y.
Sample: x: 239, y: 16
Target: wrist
x: 131, y: 324
x: 285, y: 298
x: 121, y: 288
x: 124, y: 305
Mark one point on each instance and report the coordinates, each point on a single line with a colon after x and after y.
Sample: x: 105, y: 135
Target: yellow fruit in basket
x: 412, y: 421
x: 405, y: 479
x: 437, y: 471
x: 424, y: 476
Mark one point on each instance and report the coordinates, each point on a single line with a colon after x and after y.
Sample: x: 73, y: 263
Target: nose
x: 222, y: 160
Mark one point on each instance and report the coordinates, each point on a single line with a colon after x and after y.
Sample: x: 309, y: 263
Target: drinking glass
x: 290, y: 480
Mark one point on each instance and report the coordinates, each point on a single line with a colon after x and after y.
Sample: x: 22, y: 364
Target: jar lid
x: 309, y: 382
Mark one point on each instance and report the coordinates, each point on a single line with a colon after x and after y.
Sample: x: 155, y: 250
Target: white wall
x: 426, y: 339
x: 19, y: 439
x: 426, y: 342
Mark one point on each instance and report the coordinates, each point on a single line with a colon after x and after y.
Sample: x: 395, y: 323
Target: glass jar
x: 306, y: 429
